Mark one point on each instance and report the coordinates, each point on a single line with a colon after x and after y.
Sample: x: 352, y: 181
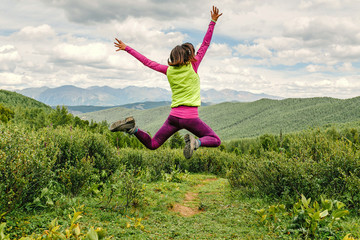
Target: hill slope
x: 239, y: 120
x: 13, y: 100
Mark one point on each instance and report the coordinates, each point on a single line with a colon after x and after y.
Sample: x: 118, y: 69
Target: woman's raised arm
x: 144, y: 60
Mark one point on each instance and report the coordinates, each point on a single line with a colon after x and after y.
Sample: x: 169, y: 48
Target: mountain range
x: 69, y: 95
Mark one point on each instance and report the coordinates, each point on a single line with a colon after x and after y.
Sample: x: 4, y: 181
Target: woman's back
x: 185, y: 86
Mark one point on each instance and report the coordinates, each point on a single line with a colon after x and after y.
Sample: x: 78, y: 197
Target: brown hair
x: 182, y: 55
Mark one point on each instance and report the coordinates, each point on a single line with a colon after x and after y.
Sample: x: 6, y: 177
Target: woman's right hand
x: 119, y: 44
x: 215, y: 14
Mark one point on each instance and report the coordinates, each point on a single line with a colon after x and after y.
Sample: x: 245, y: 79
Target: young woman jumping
x: 185, y: 86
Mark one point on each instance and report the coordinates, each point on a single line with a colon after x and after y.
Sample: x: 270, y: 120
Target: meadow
x: 62, y: 177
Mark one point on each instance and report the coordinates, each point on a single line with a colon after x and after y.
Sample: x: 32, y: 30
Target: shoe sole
x: 189, y: 146
x: 123, y: 125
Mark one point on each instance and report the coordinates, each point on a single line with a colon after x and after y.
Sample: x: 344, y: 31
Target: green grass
x: 224, y: 214
x: 243, y: 120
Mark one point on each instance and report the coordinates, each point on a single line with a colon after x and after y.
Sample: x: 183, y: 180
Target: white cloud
x: 292, y: 57
x: 90, y: 53
x: 328, y: 4
x: 217, y: 50
x: 346, y: 67
x: 345, y: 52
x: 107, y: 10
x: 9, y: 56
x: 258, y: 50
x: 43, y: 31
x: 8, y: 78
x: 342, y: 83
x: 319, y: 68
x: 279, y: 43
x: 146, y: 33
x: 324, y: 29
x: 121, y: 61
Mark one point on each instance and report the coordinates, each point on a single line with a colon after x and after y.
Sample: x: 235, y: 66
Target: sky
x: 300, y: 48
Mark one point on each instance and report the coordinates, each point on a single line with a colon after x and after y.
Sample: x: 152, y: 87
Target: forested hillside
x: 13, y: 100
x: 239, y: 120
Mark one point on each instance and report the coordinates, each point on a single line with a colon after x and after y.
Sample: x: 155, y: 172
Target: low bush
x: 26, y: 164
x: 210, y: 160
x: 310, y: 163
x: 6, y: 114
x: 82, y: 154
x: 154, y: 164
x: 306, y: 220
x: 32, y: 160
x: 123, y: 191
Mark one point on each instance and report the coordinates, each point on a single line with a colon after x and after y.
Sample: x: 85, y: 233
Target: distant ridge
x: 69, y: 95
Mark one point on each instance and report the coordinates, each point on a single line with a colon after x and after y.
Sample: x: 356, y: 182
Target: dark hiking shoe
x: 191, y: 144
x: 126, y: 125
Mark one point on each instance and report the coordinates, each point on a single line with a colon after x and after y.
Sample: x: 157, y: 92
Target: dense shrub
x: 34, y: 118
x: 210, y: 160
x: 163, y: 160
x: 124, y: 190
x: 26, y: 163
x: 176, y: 141
x: 5, y: 114
x: 273, y: 175
x: 312, y: 163
x: 82, y: 154
x: 123, y: 140
x: 151, y: 163
x: 30, y: 160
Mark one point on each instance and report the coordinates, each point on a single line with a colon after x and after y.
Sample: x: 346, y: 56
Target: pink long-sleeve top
x: 181, y: 111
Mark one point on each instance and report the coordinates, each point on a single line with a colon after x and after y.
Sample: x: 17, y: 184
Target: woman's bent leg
x: 169, y: 127
x: 206, y: 135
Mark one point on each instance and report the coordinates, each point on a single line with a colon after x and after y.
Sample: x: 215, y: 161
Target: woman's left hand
x: 215, y: 14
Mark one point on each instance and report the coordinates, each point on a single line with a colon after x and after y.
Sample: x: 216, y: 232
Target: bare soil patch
x: 185, y: 211
x: 190, y: 197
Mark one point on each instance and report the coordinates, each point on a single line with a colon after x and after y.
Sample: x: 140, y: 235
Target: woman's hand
x: 215, y: 14
x: 119, y: 44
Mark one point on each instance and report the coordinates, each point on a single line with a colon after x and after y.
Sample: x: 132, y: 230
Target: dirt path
x: 191, y: 205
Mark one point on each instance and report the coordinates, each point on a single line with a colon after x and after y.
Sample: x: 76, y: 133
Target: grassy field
x: 200, y: 207
x: 240, y: 120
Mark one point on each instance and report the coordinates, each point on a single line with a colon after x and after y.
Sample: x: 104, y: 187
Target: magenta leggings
x: 206, y: 135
